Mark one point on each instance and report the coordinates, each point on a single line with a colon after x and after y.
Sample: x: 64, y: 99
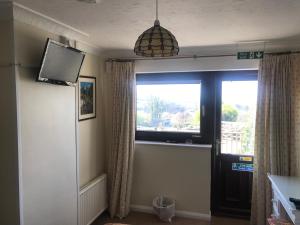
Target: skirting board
x: 179, y: 213
x: 92, y: 220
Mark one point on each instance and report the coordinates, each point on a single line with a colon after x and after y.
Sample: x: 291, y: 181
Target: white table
x: 283, y: 189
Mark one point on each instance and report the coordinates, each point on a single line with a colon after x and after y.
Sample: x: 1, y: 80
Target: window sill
x: 202, y: 146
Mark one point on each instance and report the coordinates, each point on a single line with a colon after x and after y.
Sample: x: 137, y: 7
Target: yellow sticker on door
x: 246, y: 159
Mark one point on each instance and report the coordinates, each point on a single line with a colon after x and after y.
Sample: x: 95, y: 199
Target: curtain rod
x: 19, y: 65
x: 159, y: 58
x: 149, y: 58
x: 190, y: 56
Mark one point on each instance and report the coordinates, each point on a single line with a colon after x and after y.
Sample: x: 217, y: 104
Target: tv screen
x: 60, y: 64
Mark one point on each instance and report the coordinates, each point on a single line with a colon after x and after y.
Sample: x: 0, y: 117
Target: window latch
x: 203, y: 111
x: 217, y: 146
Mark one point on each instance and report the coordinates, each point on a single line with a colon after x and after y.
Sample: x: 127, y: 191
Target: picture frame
x: 86, y: 97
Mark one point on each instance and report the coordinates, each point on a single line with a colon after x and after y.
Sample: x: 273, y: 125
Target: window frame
x: 206, y: 107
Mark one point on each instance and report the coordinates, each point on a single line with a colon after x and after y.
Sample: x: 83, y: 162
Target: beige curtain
x: 295, y: 138
x: 276, y: 143
x: 120, y: 141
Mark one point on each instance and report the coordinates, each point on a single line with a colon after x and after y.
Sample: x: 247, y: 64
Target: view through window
x: 169, y: 107
x: 238, y: 117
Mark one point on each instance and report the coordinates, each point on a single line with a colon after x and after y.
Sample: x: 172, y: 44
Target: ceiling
x: 115, y: 24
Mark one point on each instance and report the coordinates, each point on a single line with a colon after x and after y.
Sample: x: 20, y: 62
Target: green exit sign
x: 250, y: 55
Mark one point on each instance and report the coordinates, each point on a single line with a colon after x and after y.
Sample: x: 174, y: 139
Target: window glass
x: 169, y: 107
x: 238, y: 117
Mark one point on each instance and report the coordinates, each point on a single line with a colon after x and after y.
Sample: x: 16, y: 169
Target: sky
x: 233, y: 92
x: 239, y: 92
x: 184, y: 94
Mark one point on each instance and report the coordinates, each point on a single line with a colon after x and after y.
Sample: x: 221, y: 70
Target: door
x: 236, y: 96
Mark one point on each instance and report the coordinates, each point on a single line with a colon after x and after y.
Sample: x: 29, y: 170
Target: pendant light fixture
x: 156, y: 41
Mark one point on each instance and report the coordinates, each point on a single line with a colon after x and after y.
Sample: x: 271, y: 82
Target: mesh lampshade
x: 156, y: 42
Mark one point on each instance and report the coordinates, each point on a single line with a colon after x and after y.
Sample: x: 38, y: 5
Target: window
x: 171, y: 107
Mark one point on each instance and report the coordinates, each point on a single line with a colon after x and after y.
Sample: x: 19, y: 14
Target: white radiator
x: 92, y: 200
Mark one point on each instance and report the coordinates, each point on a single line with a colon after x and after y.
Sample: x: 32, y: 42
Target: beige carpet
x: 135, y: 218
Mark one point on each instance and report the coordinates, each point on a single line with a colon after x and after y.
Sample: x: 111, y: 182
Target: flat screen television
x: 60, y: 64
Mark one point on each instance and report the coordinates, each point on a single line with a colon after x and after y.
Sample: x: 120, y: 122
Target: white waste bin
x: 164, y: 207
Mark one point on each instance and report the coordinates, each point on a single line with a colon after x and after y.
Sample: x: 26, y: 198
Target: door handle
x: 203, y: 110
x: 217, y: 143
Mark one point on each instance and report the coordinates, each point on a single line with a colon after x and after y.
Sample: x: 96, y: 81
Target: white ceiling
x: 116, y: 24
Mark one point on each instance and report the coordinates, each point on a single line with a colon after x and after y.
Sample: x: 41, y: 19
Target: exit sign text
x: 250, y: 55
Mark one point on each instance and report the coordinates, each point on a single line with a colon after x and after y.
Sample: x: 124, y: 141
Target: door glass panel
x: 238, y: 117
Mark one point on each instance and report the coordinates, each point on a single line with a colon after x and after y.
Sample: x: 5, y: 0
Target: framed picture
x: 86, y: 97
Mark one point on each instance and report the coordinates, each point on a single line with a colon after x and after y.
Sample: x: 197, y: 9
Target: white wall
x: 180, y: 172
x: 199, y: 64
x: 48, y: 137
x: 9, y: 188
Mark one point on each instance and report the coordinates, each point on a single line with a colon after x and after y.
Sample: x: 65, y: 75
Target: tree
x: 182, y: 120
x: 157, y: 107
x: 143, y: 119
x: 246, y: 138
x: 229, y: 113
x: 196, y: 119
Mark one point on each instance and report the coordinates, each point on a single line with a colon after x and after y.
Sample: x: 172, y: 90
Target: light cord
x: 156, y: 9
